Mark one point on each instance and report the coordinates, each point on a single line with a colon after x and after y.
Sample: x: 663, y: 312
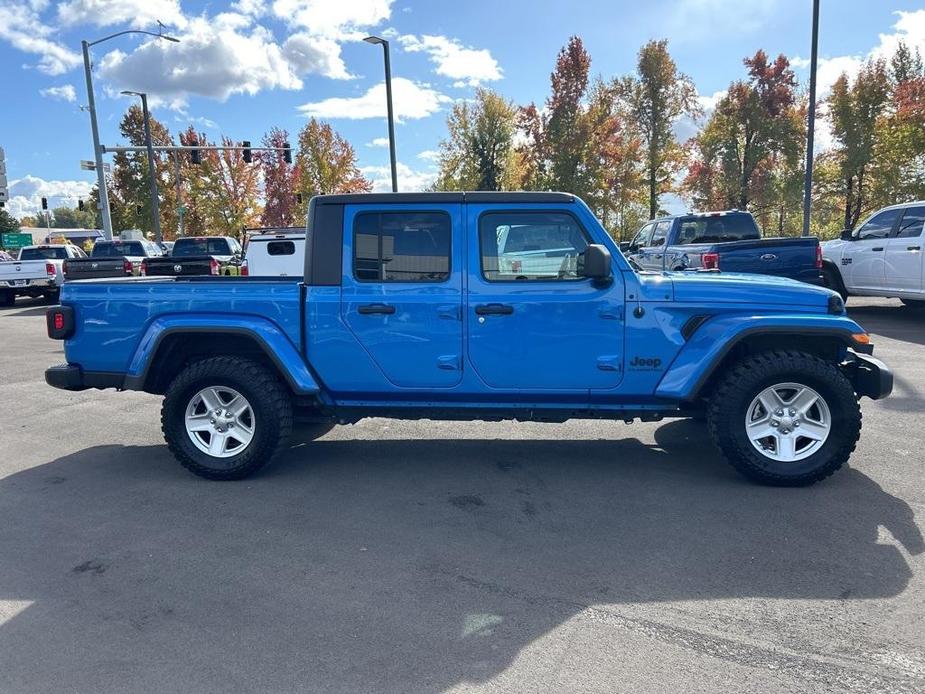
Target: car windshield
x: 717, y: 229
x: 202, y: 246
x: 44, y: 253
x: 117, y: 249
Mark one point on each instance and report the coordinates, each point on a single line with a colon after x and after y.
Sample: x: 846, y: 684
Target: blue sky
x: 244, y: 66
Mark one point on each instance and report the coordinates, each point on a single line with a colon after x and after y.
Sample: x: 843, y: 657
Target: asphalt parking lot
x: 431, y: 557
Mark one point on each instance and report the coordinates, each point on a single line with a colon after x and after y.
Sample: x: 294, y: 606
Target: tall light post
x: 811, y: 122
x: 152, y: 169
x: 91, y: 106
x: 388, y: 99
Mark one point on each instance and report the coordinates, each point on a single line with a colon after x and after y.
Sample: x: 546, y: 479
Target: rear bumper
x: 72, y: 377
x: 870, y: 376
x: 34, y: 284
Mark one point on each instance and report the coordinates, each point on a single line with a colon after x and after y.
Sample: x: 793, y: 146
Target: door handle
x: 878, y: 248
x: 494, y: 309
x: 913, y: 248
x: 370, y: 309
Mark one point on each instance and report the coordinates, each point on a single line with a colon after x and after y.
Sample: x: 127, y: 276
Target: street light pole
x: 94, y: 127
x: 97, y: 152
x: 152, y: 168
x: 811, y: 123
x: 388, y: 100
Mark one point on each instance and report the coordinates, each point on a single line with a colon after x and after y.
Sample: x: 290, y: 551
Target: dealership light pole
x: 91, y: 106
x: 811, y: 122
x: 152, y: 168
x: 388, y: 100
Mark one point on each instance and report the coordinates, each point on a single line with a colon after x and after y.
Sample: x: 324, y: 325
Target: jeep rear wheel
x: 785, y: 418
x: 226, y: 417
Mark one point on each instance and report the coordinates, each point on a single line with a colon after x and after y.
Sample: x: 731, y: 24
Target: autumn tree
x: 8, y: 223
x: 749, y: 152
x: 657, y: 95
x: 326, y: 164
x: 854, y: 111
x: 279, y: 182
x: 478, y: 152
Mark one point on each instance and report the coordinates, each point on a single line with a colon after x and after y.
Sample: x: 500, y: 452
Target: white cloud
x: 22, y: 28
x: 429, y: 155
x: 409, y: 180
x: 26, y: 194
x: 141, y: 14
x: 412, y: 100
x: 65, y: 92
x: 709, y: 102
x: 216, y: 59
x: 695, y: 20
x: 378, y: 142
x: 340, y: 19
x: 252, y: 8
x: 467, y: 66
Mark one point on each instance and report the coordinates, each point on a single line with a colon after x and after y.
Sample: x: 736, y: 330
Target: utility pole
x: 97, y: 152
x: 181, y: 210
x: 811, y: 122
x: 388, y: 100
x: 152, y: 166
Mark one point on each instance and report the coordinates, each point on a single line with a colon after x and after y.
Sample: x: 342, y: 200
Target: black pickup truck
x: 112, y: 259
x: 197, y: 255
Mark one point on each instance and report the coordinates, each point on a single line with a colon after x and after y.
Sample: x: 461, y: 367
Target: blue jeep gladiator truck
x: 421, y: 306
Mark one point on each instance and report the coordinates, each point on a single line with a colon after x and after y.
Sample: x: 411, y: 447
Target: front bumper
x: 72, y: 377
x: 870, y: 376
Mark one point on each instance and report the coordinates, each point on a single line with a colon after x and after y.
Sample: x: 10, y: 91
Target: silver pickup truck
x: 37, y: 271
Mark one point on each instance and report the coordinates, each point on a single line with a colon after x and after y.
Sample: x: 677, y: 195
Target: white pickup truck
x: 37, y: 271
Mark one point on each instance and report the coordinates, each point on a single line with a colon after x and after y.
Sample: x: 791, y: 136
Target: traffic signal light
x: 44, y: 203
x: 287, y: 153
x: 195, y: 156
x: 247, y: 152
x: 80, y: 205
x: 298, y: 198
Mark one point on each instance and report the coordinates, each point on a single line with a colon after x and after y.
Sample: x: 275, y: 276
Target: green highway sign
x: 14, y: 241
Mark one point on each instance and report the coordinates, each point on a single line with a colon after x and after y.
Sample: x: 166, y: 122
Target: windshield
x: 717, y: 229
x: 202, y: 246
x: 117, y: 249
x: 44, y: 253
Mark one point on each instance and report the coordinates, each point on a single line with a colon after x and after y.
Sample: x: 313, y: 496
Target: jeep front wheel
x: 226, y: 417
x: 785, y: 418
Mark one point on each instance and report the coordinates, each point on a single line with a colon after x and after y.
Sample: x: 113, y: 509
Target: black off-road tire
x: 832, y: 279
x: 269, y: 399
x: 746, y: 379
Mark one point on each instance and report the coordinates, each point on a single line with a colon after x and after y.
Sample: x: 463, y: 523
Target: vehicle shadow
x: 896, y: 322
x: 397, y: 565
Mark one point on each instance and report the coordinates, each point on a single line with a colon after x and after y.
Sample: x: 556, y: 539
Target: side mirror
x: 595, y: 263
x: 847, y: 235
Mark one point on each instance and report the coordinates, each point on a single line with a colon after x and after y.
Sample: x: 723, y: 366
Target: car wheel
x: 832, y: 279
x: 785, y: 418
x: 226, y: 417
x: 917, y: 304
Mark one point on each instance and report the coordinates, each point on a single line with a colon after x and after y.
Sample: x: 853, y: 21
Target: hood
x: 759, y: 290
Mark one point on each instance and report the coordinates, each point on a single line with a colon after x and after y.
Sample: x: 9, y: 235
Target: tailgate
x: 178, y: 267
x: 20, y: 270
x: 784, y: 257
x: 87, y: 268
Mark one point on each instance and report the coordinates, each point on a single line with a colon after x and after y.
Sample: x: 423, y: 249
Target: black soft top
x: 430, y: 198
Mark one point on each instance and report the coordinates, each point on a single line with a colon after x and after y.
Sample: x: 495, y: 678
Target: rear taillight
x: 144, y: 268
x: 818, y: 257
x: 710, y: 261
x: 63, y: 268
x: 244, y: 271
x: 127, y: 267
x: 213, y: 267
x: 50, y: 269
x: 60, y: 322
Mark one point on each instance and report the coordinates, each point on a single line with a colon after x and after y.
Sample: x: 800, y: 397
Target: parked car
x: 197, y: 255
x: 278, y: 252
x: 37, y: 271
x: 730, y: 241
x: 406, y: 310
x: 882, y: 257
x: 112, y: 259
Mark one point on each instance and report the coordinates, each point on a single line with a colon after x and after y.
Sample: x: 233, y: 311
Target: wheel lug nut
x: 796, y: 424
x: 775, y: 423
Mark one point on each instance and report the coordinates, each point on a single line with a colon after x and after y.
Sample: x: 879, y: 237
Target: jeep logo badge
x: 646, y: 364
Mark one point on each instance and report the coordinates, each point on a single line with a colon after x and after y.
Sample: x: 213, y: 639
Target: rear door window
x: 401, y: 247
x: 912, y: 223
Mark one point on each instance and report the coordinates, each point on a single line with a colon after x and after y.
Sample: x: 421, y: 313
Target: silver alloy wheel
x: 788, y: 422
x: 220, y: 421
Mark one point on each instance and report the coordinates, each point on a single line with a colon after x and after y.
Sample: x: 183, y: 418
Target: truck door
x: 903, y: 264
x: 862, y: 264
x: 402, y: 290
x: 532, y: 322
